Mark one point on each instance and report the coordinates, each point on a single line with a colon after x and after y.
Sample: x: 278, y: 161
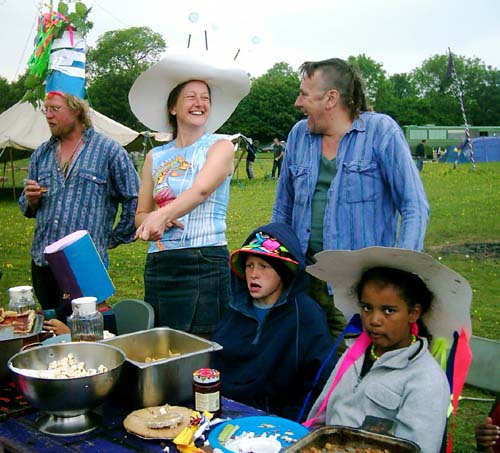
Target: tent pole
x: 13, y: 177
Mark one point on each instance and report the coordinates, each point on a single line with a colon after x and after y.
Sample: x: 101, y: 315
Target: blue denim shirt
x: 376, y: 181
x: 100, y: 177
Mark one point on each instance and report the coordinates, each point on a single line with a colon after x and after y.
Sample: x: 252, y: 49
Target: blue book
x: 78, y: 267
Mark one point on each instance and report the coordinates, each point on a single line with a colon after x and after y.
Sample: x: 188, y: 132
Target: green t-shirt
x: 327, y: 171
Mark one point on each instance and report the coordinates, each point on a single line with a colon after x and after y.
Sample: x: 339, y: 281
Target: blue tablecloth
x: 18, y: 432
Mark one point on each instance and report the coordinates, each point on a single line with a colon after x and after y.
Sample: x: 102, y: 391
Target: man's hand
x: 33, y: 192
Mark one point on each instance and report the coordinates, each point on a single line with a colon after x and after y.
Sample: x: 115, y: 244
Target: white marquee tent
x: 23, y: 127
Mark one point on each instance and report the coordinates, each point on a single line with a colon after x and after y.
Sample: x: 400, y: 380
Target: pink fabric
x: 463, y: 359
x: 354, y: 352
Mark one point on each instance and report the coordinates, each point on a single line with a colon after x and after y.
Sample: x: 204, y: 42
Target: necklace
x: 64, y: 166
x: 376, y: 357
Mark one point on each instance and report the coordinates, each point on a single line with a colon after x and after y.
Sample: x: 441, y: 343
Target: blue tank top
x: 174, y: 170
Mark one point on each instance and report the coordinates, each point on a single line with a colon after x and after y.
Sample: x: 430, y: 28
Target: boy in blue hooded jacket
x: 274, y: 336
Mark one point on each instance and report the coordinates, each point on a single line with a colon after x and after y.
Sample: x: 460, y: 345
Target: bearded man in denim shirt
x: 348, y: 179
x: 76, y: 181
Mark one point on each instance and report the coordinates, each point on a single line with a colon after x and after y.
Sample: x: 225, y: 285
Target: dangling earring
x: 414, y: 329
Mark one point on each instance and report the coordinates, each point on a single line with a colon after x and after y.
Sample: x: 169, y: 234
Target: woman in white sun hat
x: 407, y: 301
x: 185, y: 186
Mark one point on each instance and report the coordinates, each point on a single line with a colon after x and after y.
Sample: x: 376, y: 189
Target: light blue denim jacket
x: 376, y: 181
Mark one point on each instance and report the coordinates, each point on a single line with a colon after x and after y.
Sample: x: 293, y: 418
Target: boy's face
x: 263, y: 282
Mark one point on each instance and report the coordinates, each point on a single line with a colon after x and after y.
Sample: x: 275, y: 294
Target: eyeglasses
x: 51, y: 109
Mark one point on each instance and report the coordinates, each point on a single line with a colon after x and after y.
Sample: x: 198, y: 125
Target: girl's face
x: 193, y: 104
x: 386, y: 317
x: 263, y: 282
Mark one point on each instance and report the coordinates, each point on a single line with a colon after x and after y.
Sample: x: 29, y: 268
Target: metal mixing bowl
x: 67, y: 402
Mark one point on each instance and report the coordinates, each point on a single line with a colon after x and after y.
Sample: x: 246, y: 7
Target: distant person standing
x: 251, y: 154
x: 420, y: 154
x: 279, y: 152
x: 135, y: 156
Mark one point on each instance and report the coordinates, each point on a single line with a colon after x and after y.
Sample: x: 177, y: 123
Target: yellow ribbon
x: 438, y: 350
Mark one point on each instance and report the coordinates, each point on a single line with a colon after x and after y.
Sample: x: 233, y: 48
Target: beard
x: 59, y: 131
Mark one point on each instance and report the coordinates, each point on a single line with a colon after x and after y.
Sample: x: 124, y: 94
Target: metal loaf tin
x: 11, y: 343
x: 352, y: 437
x: 168, y: 380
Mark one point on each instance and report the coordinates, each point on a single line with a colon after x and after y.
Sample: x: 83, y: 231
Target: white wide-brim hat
x: 228, y: 84
x: 450, y: 307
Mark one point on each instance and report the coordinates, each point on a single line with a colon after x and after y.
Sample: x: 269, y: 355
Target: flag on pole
x: 450, y: 65
x: 452, y: 70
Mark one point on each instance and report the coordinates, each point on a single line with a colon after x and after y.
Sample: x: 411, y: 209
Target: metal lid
x: 21, y: 294
x: 206, y: 376
x: 84, y: 305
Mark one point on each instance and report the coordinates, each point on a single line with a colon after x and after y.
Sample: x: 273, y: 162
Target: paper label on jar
x: 207, y: 401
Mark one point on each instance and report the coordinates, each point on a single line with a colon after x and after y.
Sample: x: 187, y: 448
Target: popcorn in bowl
x: 66, y: 368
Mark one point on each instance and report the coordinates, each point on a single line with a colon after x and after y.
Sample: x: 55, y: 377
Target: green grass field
x: 464, y: 233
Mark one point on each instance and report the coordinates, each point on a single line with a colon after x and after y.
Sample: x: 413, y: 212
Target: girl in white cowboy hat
x: 407, y: 300
x: 185, y: 187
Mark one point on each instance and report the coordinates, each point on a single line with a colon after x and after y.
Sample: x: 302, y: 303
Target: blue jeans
x: 189, y: 289
x: 420, y: 163
x: 276, y: 167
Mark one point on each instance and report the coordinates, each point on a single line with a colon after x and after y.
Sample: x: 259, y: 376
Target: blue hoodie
x: 271, y: 364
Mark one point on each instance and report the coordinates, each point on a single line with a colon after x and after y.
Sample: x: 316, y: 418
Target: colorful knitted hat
x: 265, y: 246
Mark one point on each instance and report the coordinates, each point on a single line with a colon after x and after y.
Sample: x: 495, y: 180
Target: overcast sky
x: 399, y: 34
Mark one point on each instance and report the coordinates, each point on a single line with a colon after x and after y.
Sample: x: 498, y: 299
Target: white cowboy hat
x: 148, y: 96
x: 450, y: 308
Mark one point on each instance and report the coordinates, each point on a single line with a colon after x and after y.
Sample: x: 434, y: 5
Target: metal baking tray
x: 167, y: 380
x: 353, y: 437
x: 7, y: 333
x: 11, y: 343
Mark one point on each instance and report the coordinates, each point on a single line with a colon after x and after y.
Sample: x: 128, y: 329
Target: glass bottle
x: 86, y: 323
x: 207, y: 391
x: 21, y: 299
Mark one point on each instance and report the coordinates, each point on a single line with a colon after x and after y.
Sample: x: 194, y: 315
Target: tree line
x: 425, y: 95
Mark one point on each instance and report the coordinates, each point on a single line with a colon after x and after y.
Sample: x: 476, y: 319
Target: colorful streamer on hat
x: 57, y: 62
x: 50, y: 26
